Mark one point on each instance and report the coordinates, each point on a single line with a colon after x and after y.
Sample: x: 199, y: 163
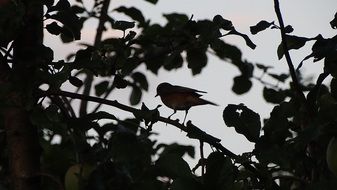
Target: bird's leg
x: 175, y: 111
x: 186, y: 112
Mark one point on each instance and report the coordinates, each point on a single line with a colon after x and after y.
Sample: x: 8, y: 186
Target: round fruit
x: 75, y: 173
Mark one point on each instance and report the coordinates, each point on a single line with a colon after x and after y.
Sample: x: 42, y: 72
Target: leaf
x: 293, y: 42
x: 179, y: 150
x: 273, y: 96
x: 196, y: 59
x: 82, y: 124
x: 136, y: 95
x: 176, y: 19
x: 333, y: 23
x: 147, y: 115
x: 130, y: 36
x: 54, y: 28
x: 83, y: 57
x: 133, y: 13
x: 249, y: 42
x: 154, y: 58
x: 152, y: 1
x: 223, y: 23
x: 220, y: 172
x: 130, y: 64
x: 39, y: 118
x: 130, y: 124
x: 173, y: 166
x: 244, y: 120
x: 99, y: 115
x: 119, y: 82
x: 280, y: 77
x: 48, y: 118
x: 241, y: 85
x: 55, y: 80
x: 46, y: 53
x: 327, y: 110
x: 246, y: 68
x: 123, y: 25
x: 276, y: 128
x: 139, y: 78
x: 288, y: 29
x: 333, y: 87
x: 62, y: 5
x: 330, y: 64
x: 263, y: 67
x: 186, y: 184
x: 129, y: 151
x: 267, y: 152
x: 52, y: 159
x: 66, y: 36
x: 77, y: 9
x: 52, y: 113
x: 322, y: 47
x: 325, y: 183
x: 101, y: 88
x: 48, y: 3
x: 173, y: 61
x: 75, y: 81
x: 206, y: 30
x: 262, y: 25
x: 72, y: 24
x: 224, y: 50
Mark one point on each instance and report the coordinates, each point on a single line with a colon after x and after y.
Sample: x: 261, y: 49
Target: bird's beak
x: 156, y: 95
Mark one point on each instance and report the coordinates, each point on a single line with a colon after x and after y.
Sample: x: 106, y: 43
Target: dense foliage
x: 292, y: 149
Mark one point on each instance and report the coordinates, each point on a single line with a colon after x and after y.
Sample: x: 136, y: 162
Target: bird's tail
x: 203, y: 101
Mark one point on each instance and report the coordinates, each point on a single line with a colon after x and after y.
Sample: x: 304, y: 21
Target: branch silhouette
x: 292, y: 71
x: 192, y: 131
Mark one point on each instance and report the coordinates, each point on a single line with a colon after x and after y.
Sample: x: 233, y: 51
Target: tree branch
x: 192, y: 131
x: 292, y: 71
x: 99, y: 32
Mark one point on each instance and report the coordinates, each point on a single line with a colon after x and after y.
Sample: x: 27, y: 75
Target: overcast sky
x: 308, y: 17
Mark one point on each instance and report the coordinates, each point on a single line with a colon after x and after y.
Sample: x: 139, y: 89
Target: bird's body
x: 180, y: 98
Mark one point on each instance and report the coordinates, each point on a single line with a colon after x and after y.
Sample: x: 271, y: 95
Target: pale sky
x: 308, y: 17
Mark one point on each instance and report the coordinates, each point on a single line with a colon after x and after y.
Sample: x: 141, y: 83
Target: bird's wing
x: 185, y: 89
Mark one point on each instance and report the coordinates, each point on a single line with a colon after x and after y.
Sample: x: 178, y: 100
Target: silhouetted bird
x: 180, y: 98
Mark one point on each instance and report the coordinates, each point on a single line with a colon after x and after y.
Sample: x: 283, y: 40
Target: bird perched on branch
x: 180, y: 98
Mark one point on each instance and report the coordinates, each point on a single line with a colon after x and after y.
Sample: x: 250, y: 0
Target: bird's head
x: 163, y: 88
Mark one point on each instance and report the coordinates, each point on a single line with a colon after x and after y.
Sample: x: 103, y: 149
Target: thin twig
x: 265, y: 83
x: 202, y: 157
x: 292, y: 71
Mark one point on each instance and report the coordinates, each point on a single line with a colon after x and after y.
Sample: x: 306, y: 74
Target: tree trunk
x: 22, y: 141
x: 21, y: 136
